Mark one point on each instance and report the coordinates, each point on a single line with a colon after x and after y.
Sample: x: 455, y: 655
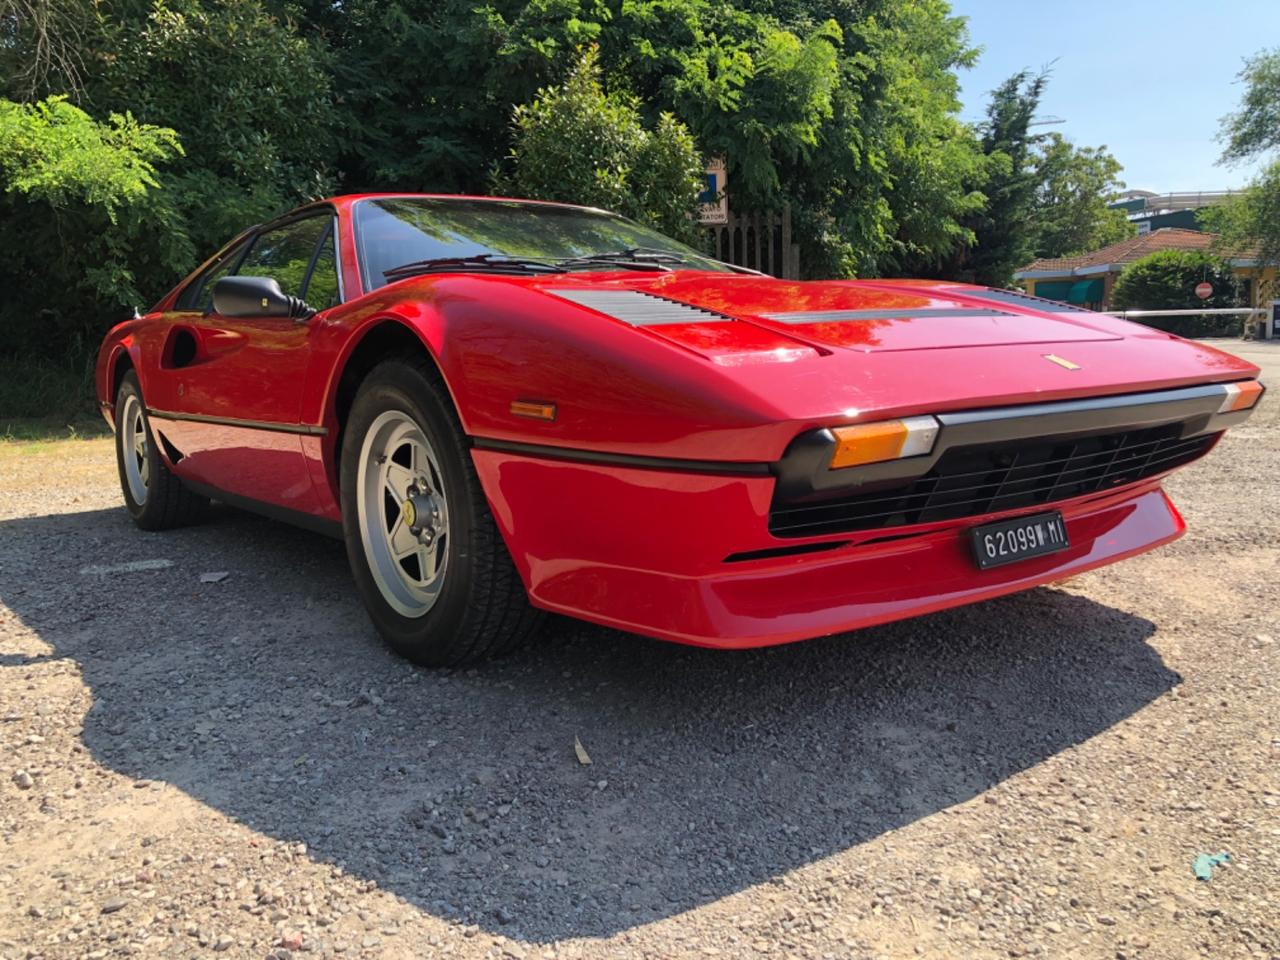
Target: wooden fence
x: 761, y: 241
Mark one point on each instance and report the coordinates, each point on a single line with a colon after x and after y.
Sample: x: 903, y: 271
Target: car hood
x: 819, y: 351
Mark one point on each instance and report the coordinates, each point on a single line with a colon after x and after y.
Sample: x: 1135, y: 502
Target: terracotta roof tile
x: 1126, y: 251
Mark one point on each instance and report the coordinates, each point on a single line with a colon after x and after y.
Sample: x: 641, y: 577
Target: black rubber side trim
x: 330, y: 528
x: 548, y: 452
x: 771, y: 552
x: 306, y: 429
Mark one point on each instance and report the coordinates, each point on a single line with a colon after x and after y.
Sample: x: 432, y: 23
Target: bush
x: 1167, y: 280
x: 577, y: 144
x: 82, y: 214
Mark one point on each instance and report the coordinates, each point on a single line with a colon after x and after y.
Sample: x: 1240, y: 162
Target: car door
x: 235, y: 404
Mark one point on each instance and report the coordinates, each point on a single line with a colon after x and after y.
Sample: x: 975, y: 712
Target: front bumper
x: 687, y: 557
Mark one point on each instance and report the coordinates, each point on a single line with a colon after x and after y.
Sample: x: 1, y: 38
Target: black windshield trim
x: 366, y: 274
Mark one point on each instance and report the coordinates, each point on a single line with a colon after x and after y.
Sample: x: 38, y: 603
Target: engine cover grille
x: 975, y: 480
x: 640, y: 309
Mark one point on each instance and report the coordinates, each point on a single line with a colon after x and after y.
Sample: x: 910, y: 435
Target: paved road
x: 240, y: 767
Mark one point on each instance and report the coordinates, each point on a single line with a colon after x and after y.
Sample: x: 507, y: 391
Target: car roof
x: 347, y: 199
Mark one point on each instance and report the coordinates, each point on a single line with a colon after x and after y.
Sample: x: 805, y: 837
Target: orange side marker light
x: 1241, y: 396
x: 533, y: 409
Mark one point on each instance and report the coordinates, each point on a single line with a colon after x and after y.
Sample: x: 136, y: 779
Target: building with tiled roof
x: 1088, y: 279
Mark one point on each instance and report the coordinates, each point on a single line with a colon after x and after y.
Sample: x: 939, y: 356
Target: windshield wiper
x: 488, y: 262
x: 632, y: 258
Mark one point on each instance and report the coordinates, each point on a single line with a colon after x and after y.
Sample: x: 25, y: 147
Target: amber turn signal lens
x: 1241, y: 396
x: 886, y: 440
x: 533, y: 409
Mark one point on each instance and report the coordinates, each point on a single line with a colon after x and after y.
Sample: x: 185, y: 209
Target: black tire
x: 166, y: 503
x: 481, y: 610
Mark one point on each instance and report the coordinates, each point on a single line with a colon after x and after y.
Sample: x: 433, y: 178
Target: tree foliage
x: 250, y: 96
x: 846, y: 111
x: 1251, y: 221
x: 81, y: 212
x: 1254, y: 129
x: 576, y: 143
x: 210, y: 116
x: 1249, y: 224
x: 54, y: 152
x: 42, y: 45
x: 1167, y: 280
x: 1001, y: 236
x: 1073, y: 187
x: 1042, y: 196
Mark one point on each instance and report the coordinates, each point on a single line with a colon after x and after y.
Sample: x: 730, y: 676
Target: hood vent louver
x: 639, y: 309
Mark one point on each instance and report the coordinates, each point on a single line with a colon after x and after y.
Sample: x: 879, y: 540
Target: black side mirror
x: 259, y: 297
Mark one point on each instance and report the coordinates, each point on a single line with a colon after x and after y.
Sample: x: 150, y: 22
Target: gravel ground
x: 239, y: 767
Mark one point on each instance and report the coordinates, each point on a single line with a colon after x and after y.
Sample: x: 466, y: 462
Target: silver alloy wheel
x: 133, y: 449
x: 403, y: 513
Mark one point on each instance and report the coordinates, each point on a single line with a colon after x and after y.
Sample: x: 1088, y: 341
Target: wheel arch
x: 380, y: 340
x: 121, y: 363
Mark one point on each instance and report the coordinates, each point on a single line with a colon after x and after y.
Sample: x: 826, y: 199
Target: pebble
x: 23, y: 780
x: 291, y: 941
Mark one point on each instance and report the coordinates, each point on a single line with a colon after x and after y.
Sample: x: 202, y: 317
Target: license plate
x: 995, y: 544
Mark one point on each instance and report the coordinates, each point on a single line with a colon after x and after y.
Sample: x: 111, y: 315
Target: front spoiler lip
x: 770, y: 603
x: 803, y: 470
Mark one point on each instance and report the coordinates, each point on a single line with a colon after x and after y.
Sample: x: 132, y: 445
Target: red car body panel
x: 655, y: 545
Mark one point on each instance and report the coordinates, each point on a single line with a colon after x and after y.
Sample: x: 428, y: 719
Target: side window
x: 284, y: 254
x: 198, y: 294
x: 322, y: 287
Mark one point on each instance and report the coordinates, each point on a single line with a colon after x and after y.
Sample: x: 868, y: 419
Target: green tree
x: 897, y: 176
x: 42, y: 46
x: 250, y: 96
x: 848, y: 112
x: 65, y: 175
x: 1250, y: 222
x: 576, y: 143
x: 1167, y: 280
x: 85, y: 220
x: 1254, y: 129
x: 1003, y: 235
x: 1069, y: 213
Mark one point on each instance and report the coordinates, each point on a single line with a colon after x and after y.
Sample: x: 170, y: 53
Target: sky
x: 1150, y: 79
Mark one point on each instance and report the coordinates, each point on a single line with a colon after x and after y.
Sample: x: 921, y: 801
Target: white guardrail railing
x: 1268, y: 328
x: 1222, y: 311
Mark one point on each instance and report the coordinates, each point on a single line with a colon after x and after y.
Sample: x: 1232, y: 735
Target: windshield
x: 399, y: 230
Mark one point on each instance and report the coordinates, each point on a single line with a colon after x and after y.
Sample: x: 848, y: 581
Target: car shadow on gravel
x: 268, y: 697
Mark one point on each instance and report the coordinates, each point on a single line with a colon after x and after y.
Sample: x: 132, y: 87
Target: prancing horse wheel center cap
x: 418, y: 513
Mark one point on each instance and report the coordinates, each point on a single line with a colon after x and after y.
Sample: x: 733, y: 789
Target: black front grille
x: 970, y: 481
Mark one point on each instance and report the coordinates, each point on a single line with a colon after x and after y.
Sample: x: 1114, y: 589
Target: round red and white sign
x: 1204, y: 290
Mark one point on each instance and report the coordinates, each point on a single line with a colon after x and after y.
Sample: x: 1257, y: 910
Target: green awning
x: 1053, y: 289
x: 1085, y: 291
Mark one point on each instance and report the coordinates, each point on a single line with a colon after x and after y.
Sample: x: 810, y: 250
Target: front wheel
x: 427, y: 558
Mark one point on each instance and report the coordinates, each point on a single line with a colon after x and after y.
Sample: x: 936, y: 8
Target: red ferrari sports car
x: 505, y: 406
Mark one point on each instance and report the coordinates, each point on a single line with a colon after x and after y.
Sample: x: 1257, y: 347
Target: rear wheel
x: 155, y: 498
x: 426, y: 555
